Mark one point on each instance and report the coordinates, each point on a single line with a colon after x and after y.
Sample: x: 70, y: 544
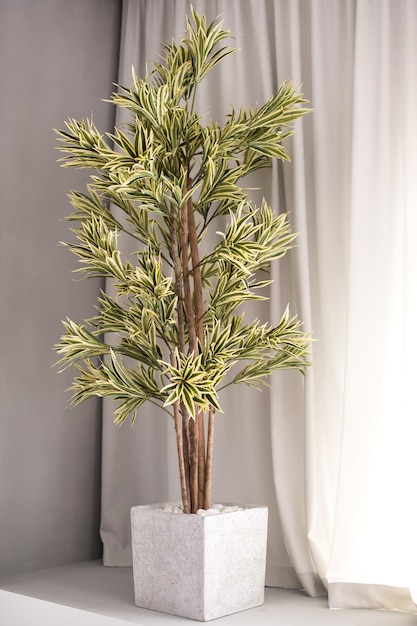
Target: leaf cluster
x: 163, y: 164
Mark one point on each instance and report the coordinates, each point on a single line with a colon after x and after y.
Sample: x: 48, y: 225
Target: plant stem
x: 201, y: 459
x: 181, y: 462
x: 198, y: 321
x: 188, y: 301
x: 178, y: 282
x: 196, y: 268
x: 194, y: 458
x: 182, y: 436
x: 209, y: 459
x: 186, y: 446
x: 192, y: 342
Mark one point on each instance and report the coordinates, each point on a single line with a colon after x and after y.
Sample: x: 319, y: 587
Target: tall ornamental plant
x: 173, y: 332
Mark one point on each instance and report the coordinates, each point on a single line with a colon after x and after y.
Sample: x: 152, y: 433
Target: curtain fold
x: 332, y: 454
x: 378, y: 460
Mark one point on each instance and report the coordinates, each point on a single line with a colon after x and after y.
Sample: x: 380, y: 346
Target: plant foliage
x: 173, y: 332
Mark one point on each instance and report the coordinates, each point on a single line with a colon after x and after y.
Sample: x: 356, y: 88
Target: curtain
x: 332, y: 454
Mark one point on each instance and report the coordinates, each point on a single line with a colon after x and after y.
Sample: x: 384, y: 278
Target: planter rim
x: 158, y: 508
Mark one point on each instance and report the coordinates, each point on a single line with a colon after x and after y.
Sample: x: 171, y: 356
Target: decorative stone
x: 199, y: 566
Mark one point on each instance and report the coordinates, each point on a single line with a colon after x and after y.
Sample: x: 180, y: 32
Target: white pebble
x: 172, y: 508
x: 209, y: 512
x: 215, y: 509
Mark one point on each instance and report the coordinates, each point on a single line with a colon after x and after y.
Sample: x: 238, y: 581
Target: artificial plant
x: 173, y: 331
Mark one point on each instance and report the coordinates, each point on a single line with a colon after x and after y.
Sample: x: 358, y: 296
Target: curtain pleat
x: 332, y: 454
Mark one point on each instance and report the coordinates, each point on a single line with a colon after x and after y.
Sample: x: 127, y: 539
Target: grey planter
x: 199, y: 567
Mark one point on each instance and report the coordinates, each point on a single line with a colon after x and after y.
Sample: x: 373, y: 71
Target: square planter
x: 200, y: 567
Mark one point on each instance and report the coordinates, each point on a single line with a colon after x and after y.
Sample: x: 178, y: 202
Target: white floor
x: 88, y: 594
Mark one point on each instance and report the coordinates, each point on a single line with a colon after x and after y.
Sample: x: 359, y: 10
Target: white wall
x: 58, y: 58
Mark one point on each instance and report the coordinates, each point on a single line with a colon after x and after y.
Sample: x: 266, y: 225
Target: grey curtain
x: 314, y: 450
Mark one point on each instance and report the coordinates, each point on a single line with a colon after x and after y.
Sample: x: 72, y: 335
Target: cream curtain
x: 333, y: 455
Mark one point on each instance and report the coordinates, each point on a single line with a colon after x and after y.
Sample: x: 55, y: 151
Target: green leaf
x: 77, y: 344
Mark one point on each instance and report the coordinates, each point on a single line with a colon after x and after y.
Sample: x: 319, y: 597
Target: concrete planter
x: 199, y: 567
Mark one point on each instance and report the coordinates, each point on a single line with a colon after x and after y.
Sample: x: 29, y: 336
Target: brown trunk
x: 181, y: 434
x: 209, y: 461
x: 198, y: 321
x: 178, y: 283
x: 188, y: 301
x: 201, y: 459
x: 193, y: 450
x: 196, y: 270
x: 186, y: 445
x: 194, y: 473
x: 184, y: 474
